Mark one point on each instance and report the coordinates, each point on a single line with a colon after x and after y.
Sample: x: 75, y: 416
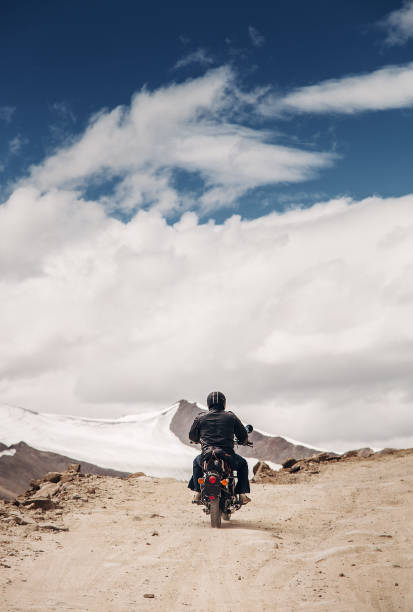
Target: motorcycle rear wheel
x: 215, y: 513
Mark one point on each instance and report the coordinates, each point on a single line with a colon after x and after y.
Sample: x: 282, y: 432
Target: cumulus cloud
x: 199, y: 56
x: 257, y: 39
x: 386, y: 88
x: 184, y: 127
x: 302, y: 318
x: 399, y: 24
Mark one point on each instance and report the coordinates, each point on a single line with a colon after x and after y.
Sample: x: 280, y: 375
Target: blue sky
x: 196, y: 197
x: 63, y: 62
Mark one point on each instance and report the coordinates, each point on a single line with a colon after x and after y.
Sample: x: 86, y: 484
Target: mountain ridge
x: 266, y: 447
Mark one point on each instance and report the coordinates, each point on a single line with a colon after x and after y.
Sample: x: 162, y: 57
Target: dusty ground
x: 342, y: 541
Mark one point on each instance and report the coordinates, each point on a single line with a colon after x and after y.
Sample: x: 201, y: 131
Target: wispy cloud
x: 16, y: 144
x: 6, y: 113
x: 386, y: 88
x: 200, y: 56
x: 399, y: 24
x: 63, y: 111
x: 190, y: 127
x: 257, y: 39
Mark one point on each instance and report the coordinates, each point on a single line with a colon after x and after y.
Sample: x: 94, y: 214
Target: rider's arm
x: 194, y: 431
x: 240, y: 431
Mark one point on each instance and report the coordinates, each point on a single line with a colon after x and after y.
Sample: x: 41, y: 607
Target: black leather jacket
x: 217, y: 428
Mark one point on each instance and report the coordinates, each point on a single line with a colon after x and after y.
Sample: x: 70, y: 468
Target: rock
x: 73, y: 467
x: 45, y: 503
x: 155, y: 533
x: 289, y: 462
x: 36, y: 483
x: 365, y: 452
x: 326, y: 456
x: 47, y: 490
x: 136, y: 475
x: 350, y: 453
x: 149, y: 595
x: 358, y: 452
x: 53, y: 527
x: 295, y: 468
x: 52, y: 477
x: 386, y: 451
x: 91, y: 491
x: 262, y: 472
x: 18, y: 519
x: 67, y: 477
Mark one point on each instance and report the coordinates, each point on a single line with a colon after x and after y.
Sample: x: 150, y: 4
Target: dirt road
x: 342, y: 541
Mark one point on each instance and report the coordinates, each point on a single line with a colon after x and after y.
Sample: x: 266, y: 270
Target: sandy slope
x: 343, y: 541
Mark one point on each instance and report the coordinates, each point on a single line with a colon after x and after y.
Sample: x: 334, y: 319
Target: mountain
x: 155, y: 443
x: 20, y: 463
x: 133, y: 443
x: 266, y: 447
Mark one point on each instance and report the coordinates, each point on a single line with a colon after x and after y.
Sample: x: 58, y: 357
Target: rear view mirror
x: 249, y: 428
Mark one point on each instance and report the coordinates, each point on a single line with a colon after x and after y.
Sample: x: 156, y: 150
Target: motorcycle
x: 218, y: 484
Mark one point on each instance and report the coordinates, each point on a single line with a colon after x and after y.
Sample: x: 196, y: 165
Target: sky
x: 198, y: 198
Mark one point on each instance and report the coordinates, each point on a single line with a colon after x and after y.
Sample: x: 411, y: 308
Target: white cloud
x: 399, y: 24
x: 6, y: 113
x: 199, y: 56
x: 386, y: 88
x: 303, y: 319
x: 187, y: 127
x: 256, y: 37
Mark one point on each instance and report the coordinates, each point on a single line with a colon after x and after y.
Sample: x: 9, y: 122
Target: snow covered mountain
x: 142, y: 442
x: 154, y: 443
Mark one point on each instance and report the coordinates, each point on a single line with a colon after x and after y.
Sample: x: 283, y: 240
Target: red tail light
x: 212, y: 479
x: 212, y: 497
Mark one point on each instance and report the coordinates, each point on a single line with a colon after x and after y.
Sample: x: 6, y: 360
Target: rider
x: 216, y: 429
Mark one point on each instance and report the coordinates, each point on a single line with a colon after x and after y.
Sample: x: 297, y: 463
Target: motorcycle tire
x: 215, y: 513
x: 226, y: 516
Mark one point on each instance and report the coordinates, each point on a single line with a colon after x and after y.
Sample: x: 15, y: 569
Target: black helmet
x: 216, y: 399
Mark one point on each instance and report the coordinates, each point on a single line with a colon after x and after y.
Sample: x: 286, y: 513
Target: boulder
x: 44, y: 503
x: 365, y: 452
x: 289, y: 463
x: 263, y: 471
x: 47, y: 490
x: 52, y: 477
x: 358, y: 452
x: 73, y: 467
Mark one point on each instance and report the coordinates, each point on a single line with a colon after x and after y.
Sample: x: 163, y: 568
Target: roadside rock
x: 47, y: 490
x: 358, y: 452
x: 44, y: 503
x: 289, y: 463
x: 53, y: 527
x: 52, y: 477
x: 263, y: 472
x: 73, y: 467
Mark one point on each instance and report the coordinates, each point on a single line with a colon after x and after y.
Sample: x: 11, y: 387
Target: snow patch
x: 9, y: 452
